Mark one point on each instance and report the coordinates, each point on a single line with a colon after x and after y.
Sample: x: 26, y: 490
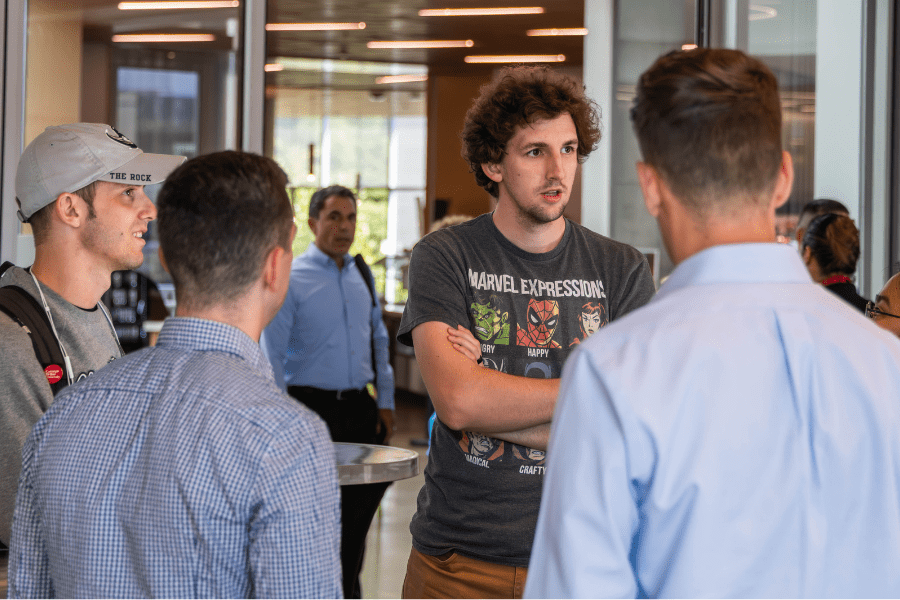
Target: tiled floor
x: 389, y: 542
x: 389, y: 539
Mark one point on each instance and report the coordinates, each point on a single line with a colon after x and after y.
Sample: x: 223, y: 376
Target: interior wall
x: 53, y: 70
x: 95, y: 84
x: 447, y: 174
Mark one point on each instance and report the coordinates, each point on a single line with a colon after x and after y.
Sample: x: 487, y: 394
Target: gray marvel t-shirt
x: 481, y: 495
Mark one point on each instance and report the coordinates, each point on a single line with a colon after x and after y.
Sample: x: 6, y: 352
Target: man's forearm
x: 468, y: 397
x: 537, y: 437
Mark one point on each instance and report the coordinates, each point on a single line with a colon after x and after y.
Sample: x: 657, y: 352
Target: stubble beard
x: 102, y: 242
x: 535, y: 216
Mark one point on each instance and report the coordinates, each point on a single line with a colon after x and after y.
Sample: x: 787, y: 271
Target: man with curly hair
x: 524, y: 137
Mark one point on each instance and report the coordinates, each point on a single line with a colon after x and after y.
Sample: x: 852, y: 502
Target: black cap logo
x: 120, y: 138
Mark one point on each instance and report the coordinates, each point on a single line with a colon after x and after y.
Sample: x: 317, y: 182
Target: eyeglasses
x: 873, y: 312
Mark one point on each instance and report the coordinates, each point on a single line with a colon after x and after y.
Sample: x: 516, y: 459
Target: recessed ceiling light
x: 313, y: 26
x: 758, y: 13
x: 273, y: 67
x: 516, y: 58
x: 688, y: 46
x: 179, y: 4
x: 480, y: 12
x: 401, y: 79
x: 560, y: 31
x: 164, y: 37
x: 422, y: 44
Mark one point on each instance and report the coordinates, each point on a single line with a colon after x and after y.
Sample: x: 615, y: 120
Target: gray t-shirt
x: 24, y: 390
x: 481, y: 495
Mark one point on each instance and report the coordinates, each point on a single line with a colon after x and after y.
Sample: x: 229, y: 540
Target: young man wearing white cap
x: 81, y: 187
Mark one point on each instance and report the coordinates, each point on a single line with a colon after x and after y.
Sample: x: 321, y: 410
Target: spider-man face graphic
x: 543, y: 317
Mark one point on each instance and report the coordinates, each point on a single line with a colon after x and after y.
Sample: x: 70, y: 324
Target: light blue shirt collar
x: 738, y: 263
x: 315, y: 254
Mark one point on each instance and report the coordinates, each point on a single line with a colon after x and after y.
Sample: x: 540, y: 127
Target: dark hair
x: 833, y: 240
x: 321, y: 196
x: 519, y: 96
x: 220, y: 215
x: 819, y: 206
x: 709, y: 121
x: 40, y: 219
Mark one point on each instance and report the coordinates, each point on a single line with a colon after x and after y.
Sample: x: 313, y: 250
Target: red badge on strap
x: 54, y: 373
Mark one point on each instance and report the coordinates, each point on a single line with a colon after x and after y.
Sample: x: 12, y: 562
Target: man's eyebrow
x: 882, y: 298
x: 533, y: 145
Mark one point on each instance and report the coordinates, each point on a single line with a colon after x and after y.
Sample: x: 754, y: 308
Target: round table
x: 369, y: 463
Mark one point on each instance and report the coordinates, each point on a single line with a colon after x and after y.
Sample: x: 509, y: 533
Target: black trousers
x: 351, y: 417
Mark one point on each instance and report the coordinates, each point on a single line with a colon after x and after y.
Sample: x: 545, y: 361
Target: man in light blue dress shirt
x: 740, y: 435
x: 327, y: 343
x: 183, y: 470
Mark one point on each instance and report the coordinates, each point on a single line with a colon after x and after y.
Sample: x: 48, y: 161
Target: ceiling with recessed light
x: 385, y: 20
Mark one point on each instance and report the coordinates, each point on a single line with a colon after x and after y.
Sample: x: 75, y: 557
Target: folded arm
x: 471, y: 398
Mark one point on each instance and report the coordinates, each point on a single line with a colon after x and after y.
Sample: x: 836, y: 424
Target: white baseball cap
x: 66, y: 158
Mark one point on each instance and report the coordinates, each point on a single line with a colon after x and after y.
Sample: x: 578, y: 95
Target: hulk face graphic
x: 490, y: 323
x: 543, y: 318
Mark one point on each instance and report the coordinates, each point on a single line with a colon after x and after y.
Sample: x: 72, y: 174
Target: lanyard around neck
x: 68, y: 361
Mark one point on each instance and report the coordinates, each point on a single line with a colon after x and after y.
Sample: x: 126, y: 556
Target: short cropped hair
x: 40, y: 220
x: 833, y: 240
x: 709, y: 122
x: 318, y: 199
x: 520, y: 96
x: 219, y: 217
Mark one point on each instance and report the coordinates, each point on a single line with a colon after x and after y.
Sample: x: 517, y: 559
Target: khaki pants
x: 453, y: 575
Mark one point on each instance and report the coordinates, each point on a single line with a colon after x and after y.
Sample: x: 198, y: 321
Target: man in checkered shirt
x: 183, y: 470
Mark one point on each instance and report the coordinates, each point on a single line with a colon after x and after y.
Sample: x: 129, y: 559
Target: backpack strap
x: 25, y: 310
x: 366, y: 272
x: 367, y: 276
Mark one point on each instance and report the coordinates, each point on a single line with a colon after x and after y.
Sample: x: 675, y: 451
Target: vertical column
x: 12, y: 30
x: 596, y: 175
x: 252, y: 126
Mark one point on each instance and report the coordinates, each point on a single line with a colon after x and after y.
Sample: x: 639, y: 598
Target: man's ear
x: 271, y: 272
x: 71, y: 209
x: 785, y: 180
x: 649, y: 180
x: 312, y: 224
x: 492, y: 170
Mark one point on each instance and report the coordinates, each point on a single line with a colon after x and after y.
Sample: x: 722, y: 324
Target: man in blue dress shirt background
x: 183, y: 470
x: 739, y: 436
x: 327, y: 343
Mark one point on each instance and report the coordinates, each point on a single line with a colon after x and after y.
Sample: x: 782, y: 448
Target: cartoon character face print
x: 591, y: 319
x: 490, y: 322
x: 533, y: 454
x: 543, y: 318
x: 481, y: 446
x: 529, y: 455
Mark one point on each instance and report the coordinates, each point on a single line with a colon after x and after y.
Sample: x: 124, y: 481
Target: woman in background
x: 830, y: 251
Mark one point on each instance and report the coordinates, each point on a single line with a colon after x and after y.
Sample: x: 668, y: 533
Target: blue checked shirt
x: 181, y: 471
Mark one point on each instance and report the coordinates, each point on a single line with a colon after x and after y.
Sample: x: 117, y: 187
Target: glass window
x: 644, y: 31
x: 331, y: 123
x: 783, y: 35
x: 95, y: 62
